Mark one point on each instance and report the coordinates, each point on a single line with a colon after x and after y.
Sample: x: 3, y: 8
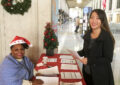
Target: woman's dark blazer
x: 99, y: 56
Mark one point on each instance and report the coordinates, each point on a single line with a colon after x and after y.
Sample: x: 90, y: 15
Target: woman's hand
x: 37, y: 82
x: 76, y: 56
x: 84, y: 60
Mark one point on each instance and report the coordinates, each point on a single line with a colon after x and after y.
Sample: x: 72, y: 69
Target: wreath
x: 16, y: 6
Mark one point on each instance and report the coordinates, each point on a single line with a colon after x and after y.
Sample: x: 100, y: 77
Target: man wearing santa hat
x: 16, y: 68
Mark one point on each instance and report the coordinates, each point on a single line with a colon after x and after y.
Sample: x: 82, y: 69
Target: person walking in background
x: 77, y: 22
x: 16, y: 68
x: 97, y: 52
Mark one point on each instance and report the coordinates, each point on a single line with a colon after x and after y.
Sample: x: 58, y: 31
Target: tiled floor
x: 70, y: 40
x: 116, y: 60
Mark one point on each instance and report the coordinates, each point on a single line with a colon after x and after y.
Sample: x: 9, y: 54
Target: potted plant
x: 50, y: 40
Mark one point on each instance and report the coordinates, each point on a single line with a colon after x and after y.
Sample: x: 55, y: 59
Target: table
x: 58, y: 63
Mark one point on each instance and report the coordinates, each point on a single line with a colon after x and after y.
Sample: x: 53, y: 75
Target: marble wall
x: 30, y: 25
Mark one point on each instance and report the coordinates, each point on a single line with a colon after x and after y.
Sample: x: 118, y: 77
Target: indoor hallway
x: 68, y: 39
x: 116, y: 59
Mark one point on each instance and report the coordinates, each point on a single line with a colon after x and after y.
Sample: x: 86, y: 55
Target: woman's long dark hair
x: 104, y: 23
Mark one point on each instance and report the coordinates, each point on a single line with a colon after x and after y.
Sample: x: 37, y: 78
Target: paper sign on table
x: 75, y: 83
x: 69, y: 67
x: 49, y: 80
x: 66, y: 57
x: 52, y: 59
x: 71, y: 61
x: 70, y: 75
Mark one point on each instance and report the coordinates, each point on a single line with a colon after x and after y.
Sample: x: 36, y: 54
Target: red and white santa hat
x: 20, y: 40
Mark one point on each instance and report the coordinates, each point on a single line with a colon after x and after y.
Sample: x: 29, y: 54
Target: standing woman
x: 97, y: 51
x: 16, y: 68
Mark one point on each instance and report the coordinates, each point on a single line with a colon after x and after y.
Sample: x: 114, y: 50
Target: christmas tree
x: 50, y: 38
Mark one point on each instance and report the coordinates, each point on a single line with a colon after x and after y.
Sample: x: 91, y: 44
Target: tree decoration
x: 16, y: 6
x: 50, y: 38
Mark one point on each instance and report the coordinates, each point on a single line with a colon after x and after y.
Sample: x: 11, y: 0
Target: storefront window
x: 110, y: 4
x: 100, y: 3
x: 118, y: 18
x: 118, y: 3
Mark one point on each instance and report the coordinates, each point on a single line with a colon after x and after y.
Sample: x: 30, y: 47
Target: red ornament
x: 48, y: 36
x: 45, y: 44
x: 9, y: 4
x: 46, y: 32
x: 52, y: 39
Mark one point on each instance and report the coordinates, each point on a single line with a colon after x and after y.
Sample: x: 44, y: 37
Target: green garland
x: 16, y: 6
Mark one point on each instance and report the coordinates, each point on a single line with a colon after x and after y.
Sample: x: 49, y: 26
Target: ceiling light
x: 79, y: 1
x: 76, y: 7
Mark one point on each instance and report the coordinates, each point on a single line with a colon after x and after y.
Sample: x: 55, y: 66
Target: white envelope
x: 49, y: 71
x: 40, y: 64
x: 49, y: 80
